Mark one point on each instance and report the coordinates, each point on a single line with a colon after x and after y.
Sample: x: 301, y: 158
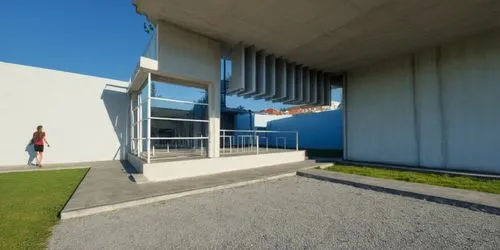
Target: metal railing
x: 166, y: 148
x: 257, y: 141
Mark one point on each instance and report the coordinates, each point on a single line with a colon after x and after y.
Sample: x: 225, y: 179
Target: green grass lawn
x: 30, y: 203
x: 483, y: 185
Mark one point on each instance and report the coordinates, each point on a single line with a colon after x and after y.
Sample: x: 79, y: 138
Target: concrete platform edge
x: 441, y: 200
x: 107, y: 208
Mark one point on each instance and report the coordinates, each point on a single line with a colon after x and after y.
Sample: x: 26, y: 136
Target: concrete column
x: 214, y: 97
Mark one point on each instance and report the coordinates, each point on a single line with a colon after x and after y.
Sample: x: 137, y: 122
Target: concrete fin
x: 306, y: 77
x: 260, y: 69
x: 328, y: 90
x: 270, y: 89
x: 290, y: 82
x: 280, y: 76
x: 250, y: 85
x: 298, y: 84
x: 313, y: 87
x: 321, y: 89
x: 237, y: 83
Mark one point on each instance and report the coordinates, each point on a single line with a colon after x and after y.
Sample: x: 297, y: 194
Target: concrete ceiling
x: 333, y: 35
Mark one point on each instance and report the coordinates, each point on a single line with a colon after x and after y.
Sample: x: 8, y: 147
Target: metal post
x: 297, y: 140
x: 201, y: 150
x: 257, y: 143
x: 230, y: 144
x: 223, y: 141
x: 149, y: 119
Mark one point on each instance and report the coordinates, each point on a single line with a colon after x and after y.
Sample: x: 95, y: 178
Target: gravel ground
x: 294, y: 212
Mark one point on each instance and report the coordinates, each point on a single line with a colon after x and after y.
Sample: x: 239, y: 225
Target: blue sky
x: 95, y: 37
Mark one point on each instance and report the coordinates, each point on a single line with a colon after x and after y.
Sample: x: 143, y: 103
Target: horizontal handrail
x: 257, y: 131
x: 172, y: 138
x: 178, y: 119
x: 177, y: 101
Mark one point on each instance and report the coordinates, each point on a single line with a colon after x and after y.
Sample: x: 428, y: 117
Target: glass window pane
x: 144, y: 113
x: 168, y: 109
x: 166, y: 128
x: 179, y: 92
x: 144, y: 92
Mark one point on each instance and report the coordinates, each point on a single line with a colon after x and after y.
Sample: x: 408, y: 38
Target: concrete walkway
x: 110, y: 187
x: 478, y: 201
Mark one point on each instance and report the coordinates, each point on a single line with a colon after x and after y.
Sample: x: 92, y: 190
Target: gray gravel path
x: 293, y: 212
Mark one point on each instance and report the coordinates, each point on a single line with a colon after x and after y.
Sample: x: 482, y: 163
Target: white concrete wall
x: 85, y: 117
x: 192, y: 168
x: 439, y: 107
x: 380, y: 115
x: 186, y: 55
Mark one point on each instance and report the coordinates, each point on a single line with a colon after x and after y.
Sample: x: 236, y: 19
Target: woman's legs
x: 41, y: 158
x: 37, y: 158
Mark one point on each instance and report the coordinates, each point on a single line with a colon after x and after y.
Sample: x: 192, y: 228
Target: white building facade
x: 420, y: 78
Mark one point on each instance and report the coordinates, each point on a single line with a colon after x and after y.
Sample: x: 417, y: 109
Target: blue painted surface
x: 243, y: 121
x: 316, y: 130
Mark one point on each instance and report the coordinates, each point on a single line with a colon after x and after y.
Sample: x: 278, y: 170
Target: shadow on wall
x: 116, y: 101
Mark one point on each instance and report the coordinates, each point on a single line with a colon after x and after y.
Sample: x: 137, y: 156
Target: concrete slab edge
x: 441, y: 200
x: 108, y: 208
x: 40, y: 169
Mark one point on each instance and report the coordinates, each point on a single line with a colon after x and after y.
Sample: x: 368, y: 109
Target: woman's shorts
x: 38, y: 148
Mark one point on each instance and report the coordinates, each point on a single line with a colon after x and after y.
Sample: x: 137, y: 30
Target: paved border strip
x: 112, y: 207
x: 40, y: 169
x: 431, y: 198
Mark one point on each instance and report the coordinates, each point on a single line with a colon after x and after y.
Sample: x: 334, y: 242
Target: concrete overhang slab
x: 329, y: 35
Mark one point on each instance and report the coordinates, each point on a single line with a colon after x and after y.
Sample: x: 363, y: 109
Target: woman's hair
x: 39, y: 133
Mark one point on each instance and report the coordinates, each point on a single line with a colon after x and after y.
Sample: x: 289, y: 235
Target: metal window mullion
x: 139, y: 125
x: 131, y: 122
x: 149, y: 119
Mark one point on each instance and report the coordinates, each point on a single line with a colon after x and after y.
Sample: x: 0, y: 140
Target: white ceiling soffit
x: 333, y: 35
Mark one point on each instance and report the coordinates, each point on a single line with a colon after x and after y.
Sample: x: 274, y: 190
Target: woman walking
x: 39, y: 138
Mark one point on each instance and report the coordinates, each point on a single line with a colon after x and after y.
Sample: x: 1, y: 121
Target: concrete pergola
x: 410, y: 70
x: 329, y: 35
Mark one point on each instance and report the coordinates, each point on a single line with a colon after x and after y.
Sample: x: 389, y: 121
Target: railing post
x: 201, y: 149
x: 257, y: 143
x: 297, y: 140
x: 223, y: 141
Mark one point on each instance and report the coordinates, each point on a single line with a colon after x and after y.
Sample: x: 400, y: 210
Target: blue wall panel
x: 316, y: 130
